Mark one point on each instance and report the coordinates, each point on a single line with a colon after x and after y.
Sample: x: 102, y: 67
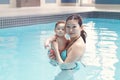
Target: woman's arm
x: 57, y: 53
x: 75, y: 53
x: 49, y: 40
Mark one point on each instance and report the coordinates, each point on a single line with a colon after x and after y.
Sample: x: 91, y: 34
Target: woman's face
x: 60, y: 30
x: 73, y: 29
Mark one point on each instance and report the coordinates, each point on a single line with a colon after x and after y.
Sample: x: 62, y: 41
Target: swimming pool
x: 23, y: 57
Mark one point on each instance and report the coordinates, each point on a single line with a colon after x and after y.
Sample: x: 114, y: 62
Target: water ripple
x: 102, y: 56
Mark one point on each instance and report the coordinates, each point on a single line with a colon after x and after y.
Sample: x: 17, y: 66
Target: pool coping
x: 16, y: 21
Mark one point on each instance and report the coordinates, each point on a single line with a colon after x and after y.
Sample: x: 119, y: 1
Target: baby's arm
x: 49, y: 40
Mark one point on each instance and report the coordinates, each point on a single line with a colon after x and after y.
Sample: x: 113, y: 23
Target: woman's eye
x: 74, y: 26
x: 68, y: 26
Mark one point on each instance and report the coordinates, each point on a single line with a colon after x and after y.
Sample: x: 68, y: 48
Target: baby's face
x: 60, y: 30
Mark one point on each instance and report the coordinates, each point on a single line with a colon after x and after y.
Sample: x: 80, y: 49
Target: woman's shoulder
x: 80, y: 41
x: 79, y: 44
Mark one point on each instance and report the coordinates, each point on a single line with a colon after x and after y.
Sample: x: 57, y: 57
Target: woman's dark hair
x: 79, y: 19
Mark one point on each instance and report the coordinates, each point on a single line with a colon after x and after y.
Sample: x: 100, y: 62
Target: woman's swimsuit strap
x: 71, y: 43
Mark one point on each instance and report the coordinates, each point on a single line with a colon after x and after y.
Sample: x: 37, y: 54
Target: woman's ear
x: 82, y: 27
x: 55, y: 30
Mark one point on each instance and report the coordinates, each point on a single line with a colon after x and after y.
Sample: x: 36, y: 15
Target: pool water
x: 23, y: 56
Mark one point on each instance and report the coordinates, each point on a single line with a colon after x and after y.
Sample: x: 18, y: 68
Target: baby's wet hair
x: 59, y: 22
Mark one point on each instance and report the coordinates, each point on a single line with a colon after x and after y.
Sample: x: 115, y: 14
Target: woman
x: 74, y: 50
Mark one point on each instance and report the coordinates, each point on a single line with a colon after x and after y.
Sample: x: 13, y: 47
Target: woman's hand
x: 52, y: 54
x: 46, y: 44
x: 49, y: 41
x: 55, y: 45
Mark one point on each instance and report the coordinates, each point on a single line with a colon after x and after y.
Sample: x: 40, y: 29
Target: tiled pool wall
x: 18, y: 21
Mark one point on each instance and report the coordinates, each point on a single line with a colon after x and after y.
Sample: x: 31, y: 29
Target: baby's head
x: 60, y: 28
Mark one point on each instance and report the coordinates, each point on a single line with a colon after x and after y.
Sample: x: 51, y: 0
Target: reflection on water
x: 100, y: 52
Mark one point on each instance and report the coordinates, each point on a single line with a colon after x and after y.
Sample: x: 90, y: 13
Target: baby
x: 60, y: 38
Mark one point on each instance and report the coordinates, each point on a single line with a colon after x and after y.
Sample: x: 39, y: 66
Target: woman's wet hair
x: 79, y: 19
x: 59, y: 22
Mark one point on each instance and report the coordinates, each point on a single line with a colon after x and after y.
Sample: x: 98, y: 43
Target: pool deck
x: 9, y: 12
